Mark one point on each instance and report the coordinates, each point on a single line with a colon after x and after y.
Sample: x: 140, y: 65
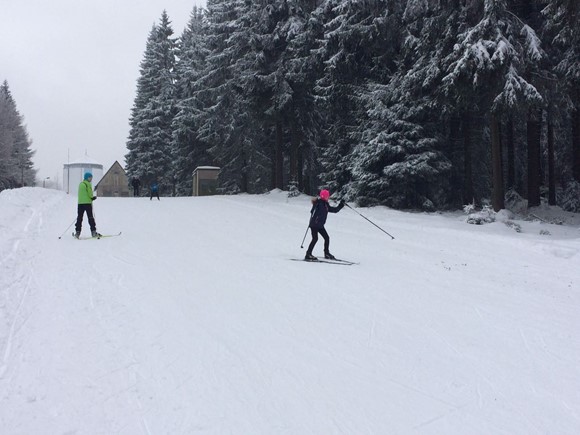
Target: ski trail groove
x: 11, y: 331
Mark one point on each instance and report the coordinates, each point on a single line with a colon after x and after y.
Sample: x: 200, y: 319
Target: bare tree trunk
x: 576, y: 144
x: 467, y: 163
x: 534, y: 133
x: 497, y: 176
x: 454, y: 151
x: 244, y: 180
x: 279, y: 180
x: 551, y: 163
x: 294, y: 141
x: 300, y: 174
x: 511, y: 154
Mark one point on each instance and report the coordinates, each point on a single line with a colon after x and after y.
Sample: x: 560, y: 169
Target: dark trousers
x: 88, y: 208
x: 324, y: 234
x: 135, y: 190
x: 156, y: 193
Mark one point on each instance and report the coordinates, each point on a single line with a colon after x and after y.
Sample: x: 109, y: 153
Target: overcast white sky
x: 72, y: 67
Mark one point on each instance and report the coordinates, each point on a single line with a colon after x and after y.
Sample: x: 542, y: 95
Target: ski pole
x: 302, y: 245
x: 392, y: 238
x: 67, y: 228
x: 311, y: 215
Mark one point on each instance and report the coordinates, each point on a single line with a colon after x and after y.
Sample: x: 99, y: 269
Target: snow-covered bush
x: 516, y: 227
x: 484, y: 216
x: 427, y: 205
x: 515, y: 203
x: 469, y: 208
x: 570, y: 199
x: 293, y: 191
x: 504, y: 216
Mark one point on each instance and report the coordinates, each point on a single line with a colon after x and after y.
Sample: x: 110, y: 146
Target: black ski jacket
x: 319, y: 212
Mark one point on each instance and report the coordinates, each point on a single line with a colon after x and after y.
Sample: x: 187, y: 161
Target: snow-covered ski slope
x: 194, y: 321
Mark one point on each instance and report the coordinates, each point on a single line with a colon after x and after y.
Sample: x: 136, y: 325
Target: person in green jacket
x: 86, y: 199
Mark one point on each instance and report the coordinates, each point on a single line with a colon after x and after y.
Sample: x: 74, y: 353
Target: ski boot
x: 329, y: 256
x: 77, y: 234
x: 95, y: 234
x: 310, y: 257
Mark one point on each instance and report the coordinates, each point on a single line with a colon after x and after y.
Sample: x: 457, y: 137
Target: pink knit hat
x: 324, y: 194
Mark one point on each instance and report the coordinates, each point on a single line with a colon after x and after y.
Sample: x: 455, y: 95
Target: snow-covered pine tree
x: 228, y: 123
x: 283, y: 92
x: 16, y: 166
x: 429, y: 32
x: 7, y: 167
x: 304, y: 116
x: 487, y: 69
x: 257, y: 107
x: 189, y: 151
x: 562, y: 24
x: 354, y: 49
x: 396, y: 162
x: 150, y: 152
x: 399, y: 160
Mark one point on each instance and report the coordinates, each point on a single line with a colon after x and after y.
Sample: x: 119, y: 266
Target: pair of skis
x: 101, y: 236
x: 327, y: 260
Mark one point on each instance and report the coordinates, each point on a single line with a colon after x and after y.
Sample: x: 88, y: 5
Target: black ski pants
x: 324, y: 234
x: 88, y: 208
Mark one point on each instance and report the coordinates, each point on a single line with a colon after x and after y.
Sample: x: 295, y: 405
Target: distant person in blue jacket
x: 318, y: 215
x: 154, y: 188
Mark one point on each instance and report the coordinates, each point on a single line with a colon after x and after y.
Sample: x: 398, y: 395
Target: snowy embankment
x: 194, y: 321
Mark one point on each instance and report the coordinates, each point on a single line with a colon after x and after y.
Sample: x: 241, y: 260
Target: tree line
x: 425, y: 104
x: 16, y: 167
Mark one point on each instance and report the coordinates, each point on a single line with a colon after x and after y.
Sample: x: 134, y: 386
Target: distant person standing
x: 154, y: 188
x: 85, y: 205
x: 136, y: 186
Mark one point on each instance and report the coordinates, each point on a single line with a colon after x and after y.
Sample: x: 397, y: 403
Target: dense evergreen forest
x: 16, y: 167
x: 424, y: 104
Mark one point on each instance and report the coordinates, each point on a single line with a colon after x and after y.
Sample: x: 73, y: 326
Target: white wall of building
x: 73, y: 175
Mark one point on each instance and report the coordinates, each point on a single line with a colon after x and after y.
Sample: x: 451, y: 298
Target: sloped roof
x: 206, y: 168
x: 109, y: 170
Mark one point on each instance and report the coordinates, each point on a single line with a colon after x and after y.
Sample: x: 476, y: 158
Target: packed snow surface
x: 195, y: 321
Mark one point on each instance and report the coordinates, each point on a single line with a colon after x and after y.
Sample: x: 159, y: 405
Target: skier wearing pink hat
x: 318, y: 215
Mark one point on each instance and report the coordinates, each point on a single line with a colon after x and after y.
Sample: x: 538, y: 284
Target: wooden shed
x: 114, y: 182
x: 205, y: 180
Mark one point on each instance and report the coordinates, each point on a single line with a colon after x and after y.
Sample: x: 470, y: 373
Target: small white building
x: 74, y: 172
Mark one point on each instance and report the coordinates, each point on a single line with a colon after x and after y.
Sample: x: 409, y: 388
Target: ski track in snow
x: 17, y: 273
x: 193, y: 321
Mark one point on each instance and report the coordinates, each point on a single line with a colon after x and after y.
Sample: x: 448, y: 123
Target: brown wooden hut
x: 205, y: 180
x: 114, y: 182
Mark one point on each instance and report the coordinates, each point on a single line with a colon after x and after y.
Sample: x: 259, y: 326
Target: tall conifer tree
x: 398, y: 160
x: 490, y: 68
x: 16, y: 166
x: 189, y: 150
x: 562, y: 21
x: 150, y: 154
x: 228, y: 123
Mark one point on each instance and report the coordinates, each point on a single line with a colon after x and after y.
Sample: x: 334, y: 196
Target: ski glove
x: 94, y: 197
